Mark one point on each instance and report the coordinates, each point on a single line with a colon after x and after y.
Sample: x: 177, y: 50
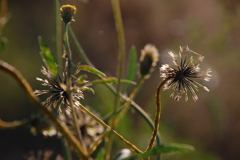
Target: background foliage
x: 210, y: 27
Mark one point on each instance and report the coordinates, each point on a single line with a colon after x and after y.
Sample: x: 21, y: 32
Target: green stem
x: 158, y: 115
x: 69, y: 53
x: 129, y: 144
x: 120, y: 68
x: 69, y: 86
x: 14, y: 124
x: 127, y: 104
x: 66, y: 150
x: 35, y: 100
x: 57, y: 32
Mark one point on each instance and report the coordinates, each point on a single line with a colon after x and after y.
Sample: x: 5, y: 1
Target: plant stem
x: 95, y: 144
x: 158, y: 115
x: 69, y: 53
x: 14, y: 124
x: 120, y: 68
x: 127, y: 104
x: 69, y: 86
x: 66, y: 150
x: 35, y: 100
x: 133, y: 147
x: 57, y: 34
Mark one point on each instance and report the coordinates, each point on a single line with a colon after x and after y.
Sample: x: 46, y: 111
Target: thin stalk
x: 14, y: 124
x: 127, y: 104
x: 120, y: 68
x: 69, y: 86
x: 57, y: 34
x: 35, y: 100
x: 69, y: 53
x: 66, y: 150
x: 158, y: 114
x: 129, y: 144
x: 96, y: 143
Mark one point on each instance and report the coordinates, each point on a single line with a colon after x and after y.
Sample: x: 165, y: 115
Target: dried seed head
x: 59, y: 97
x: 67, y: 12
x: 181, y: 78
x: 148, y: 59
x: 90, y: 128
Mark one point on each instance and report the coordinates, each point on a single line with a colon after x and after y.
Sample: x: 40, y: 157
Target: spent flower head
x: 89, y: 127
x: 59, y: 91
x: 67, y: 12
x: 148, y: 59
x: 181, y: 78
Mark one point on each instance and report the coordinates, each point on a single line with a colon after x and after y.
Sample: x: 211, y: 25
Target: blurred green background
x: 211, y: 28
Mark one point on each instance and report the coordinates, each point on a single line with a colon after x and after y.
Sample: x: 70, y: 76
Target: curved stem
x: 158, y: 115
x: 133, y: 147
x: 35, y: 100
x: 14, y: 124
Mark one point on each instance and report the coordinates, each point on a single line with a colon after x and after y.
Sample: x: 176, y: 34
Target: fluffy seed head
x: 148, y: 59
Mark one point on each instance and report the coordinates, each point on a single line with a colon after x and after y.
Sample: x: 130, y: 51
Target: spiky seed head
x: 182, y: 77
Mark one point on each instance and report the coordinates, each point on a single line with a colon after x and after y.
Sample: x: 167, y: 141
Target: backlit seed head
x: 148, y: 60
x: 182, y: 77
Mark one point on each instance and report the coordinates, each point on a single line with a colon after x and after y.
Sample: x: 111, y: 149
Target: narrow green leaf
x: 91, y: 70
x: 167, y: 149
x: 113, y: 80
x: 47, y: 56
x: 99, y: 155
x: 132, y: 65
x: 84, y: 88
x: 82, y: 79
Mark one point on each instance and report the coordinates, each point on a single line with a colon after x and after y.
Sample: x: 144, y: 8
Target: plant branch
x: 35, y: 100
x: 14, y: 124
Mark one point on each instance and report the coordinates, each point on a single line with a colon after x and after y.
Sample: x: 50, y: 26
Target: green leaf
x: 91, y: 70
x: 167, y: 149
x: 99, y: 155
x: 82, y: 79
x: 85, y: 88
x: 113, y: 80
x: 132, y: 65
x: 47, y: 56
